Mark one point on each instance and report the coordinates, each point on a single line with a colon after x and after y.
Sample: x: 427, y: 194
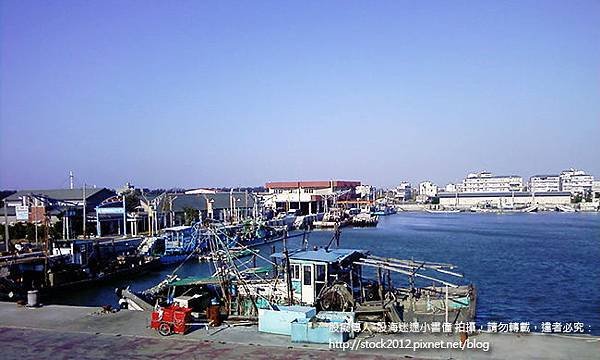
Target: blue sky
x: 201, y: 93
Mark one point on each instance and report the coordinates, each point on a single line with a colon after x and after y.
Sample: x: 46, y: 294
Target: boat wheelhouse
x: 312, y: 270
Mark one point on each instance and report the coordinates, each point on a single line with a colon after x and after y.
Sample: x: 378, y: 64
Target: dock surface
x: 57, y: 331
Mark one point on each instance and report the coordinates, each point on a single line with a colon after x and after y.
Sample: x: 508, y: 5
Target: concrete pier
x: 57, y: 331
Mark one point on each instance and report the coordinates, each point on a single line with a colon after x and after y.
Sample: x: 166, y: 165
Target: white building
x: 428, y: 189
x: 364, y: 191
x: 484, y: 181
x: 504, y: 199
x: 596, y: 187
x: 458, y: 187
x: 576, y: 181
x: 403, y: 191
x: 544, y: 183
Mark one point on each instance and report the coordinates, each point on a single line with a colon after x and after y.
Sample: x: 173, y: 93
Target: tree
x: 190, y: 215
x: 132, y: 201
x: 589, y: 196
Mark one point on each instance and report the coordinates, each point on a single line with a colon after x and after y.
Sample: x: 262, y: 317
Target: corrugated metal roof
x: 331, y: 256
x: 221, y: 201
x: 58, y: 194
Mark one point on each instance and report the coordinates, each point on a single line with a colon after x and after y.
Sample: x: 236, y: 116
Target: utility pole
x: 124, y: 218
x: 6, y: 236
x: 84, y: 214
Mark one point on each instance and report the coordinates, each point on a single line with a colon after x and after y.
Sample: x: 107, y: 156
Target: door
x: 308, y: 290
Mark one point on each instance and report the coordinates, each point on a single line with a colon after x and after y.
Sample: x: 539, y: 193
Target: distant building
x: 544, y: 183
x: 429, y: 189
x: 504, y: 199
x: 32, y: 201
x: 576, y: 181
x: 10, y: 215
x: 309, y: 197
x: 454, y: 188
x: 364, y: 191
x: 403, y: 191
x: 484, y: 181
x: 596, y: 188
x: 223, y: 206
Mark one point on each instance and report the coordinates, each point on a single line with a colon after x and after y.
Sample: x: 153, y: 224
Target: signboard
x: 37, y: 214
x: 22, y: 213
x: 70, y: 213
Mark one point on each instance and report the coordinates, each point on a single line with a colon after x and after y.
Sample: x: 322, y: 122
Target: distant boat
x: 383, y: 210
x: 565, y: 208
x: 505, y: 209
x: 365, y: 220
x: 442, y: 211
x: 333, y: 218
x: 527, y: 209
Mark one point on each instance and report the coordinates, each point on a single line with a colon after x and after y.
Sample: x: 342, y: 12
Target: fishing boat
x: 565, y: 208
x: 252, y: 233
x: 333, y: 218
x: 373, y: 288
x: 519, y: 209
x: 174, y: 244
x: 83, y: 263
x: 365, y: 220
x: 383, y: 210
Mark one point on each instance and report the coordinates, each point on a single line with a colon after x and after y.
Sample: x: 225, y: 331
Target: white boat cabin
x: 311, y: 270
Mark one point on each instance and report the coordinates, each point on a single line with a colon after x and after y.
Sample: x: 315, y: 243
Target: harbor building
x: 309, y: 197
x: 403, y: 192
x: 34, y: 205
x: 576, y: 181
x: 504, y: 199
x: 484, y: 181
x: 458, y: 187
x: 544, y: 183
x: 596, y: 188
x: 175, y: 209
x: 428, y: 189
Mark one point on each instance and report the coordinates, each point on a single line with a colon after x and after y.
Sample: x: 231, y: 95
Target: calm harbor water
x: 527, y: 267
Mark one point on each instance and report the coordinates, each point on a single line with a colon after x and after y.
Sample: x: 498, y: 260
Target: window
x: 307, y: 275
x: 320, y: 273
x: 295, y: 272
